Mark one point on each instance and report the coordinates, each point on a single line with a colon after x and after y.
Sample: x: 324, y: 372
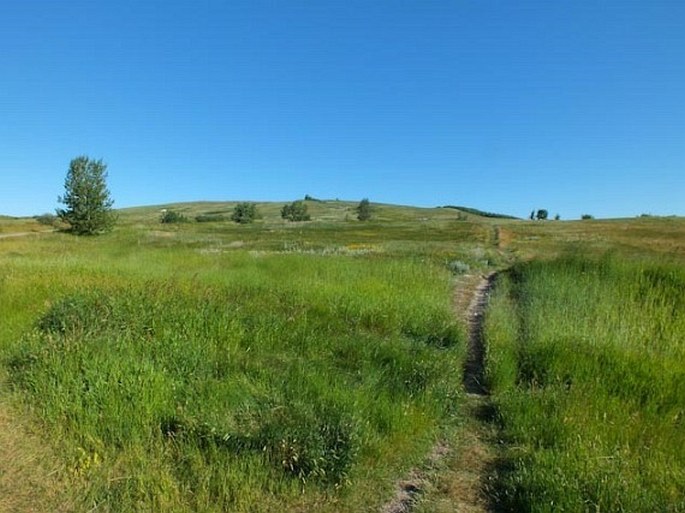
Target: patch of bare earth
x: 22, y: 234
x: 455, y: 476
x: 29, y: 477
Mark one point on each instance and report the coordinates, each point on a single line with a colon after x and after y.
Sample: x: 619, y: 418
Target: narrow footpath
x: 455, y: 478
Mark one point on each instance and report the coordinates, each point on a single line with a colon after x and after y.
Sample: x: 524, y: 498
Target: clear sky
x: 573, y: 106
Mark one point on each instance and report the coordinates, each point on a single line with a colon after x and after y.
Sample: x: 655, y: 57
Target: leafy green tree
x: 244, y: 213
x: 586, y: 217
x: 86, y: 198
x: 364, y: 210
x: 295, y: 211
x: 542, y: 214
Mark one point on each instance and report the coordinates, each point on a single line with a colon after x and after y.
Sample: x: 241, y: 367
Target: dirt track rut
x: 463, y: 483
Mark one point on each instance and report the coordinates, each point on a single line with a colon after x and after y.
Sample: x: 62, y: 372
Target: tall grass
x: 587, y: 365
x: 173, y: 379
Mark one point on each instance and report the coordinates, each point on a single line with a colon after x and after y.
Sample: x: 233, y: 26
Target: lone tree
x: 295, y: 211
x: 244, y: 213
x: 86, y: 197
x: 364, y: 210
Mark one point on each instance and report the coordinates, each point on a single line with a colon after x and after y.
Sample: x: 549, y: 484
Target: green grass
x: 586, y: 362
x: 308, y: 366
x: 186, y: 373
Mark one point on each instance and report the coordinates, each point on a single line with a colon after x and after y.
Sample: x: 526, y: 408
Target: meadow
x: 210, y: 366
x: 586, y: 366
x: 214, y: 367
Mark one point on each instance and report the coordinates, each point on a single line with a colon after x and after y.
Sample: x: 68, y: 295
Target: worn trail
x: 474, y: 369
x: 460, y: 483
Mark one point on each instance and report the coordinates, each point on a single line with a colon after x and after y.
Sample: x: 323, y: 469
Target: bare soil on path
x: 456, y: 476
x: 22, y: 234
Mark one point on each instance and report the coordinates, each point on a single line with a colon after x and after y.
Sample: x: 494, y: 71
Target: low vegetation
x: 295, y: 211
x: 480, y: 213
x: 172, y: 217
x: 586, y: 366
x: 244, y: 213
x: 188, y: 374
x: 277, y: 366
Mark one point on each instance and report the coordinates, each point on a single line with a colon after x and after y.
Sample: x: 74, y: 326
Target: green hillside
x: 307, y: 366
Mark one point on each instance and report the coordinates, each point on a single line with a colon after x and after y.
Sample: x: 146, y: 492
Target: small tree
x: 295, y: 211
x: 86, y: 197
x: 244, y: 213
x: 364, y: 210
x: 586, y: 217
x: 542, y: 214
x: 557, y: 217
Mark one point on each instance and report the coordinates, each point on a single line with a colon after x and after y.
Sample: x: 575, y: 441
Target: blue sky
x: 576, y: 107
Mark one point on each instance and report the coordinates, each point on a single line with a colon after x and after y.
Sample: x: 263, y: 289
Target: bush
x: 171, y: 216
x: 46, y: 219
x: 587, y: 216
x: 364, y: 210
x: 244, y: 213
x: 458, y: 267
x: 308, y: 197
x: 209, y: 218
x: 295, y: 211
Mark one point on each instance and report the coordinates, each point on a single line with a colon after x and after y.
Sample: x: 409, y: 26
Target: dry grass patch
x: 30, y: 476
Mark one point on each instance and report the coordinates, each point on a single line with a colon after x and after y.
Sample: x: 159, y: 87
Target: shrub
x: 171, y: 216
x: 364, y: 210
x: 46, y: 219
x: 458, y: 267
x: 587, y: 216
x: 295, y: 211
x: 244, y: 213
x: 209, y: 218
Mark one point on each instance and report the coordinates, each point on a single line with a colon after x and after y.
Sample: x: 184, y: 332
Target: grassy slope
x: 213, y: 366
x: 586, y: 365
x: 371, y: 294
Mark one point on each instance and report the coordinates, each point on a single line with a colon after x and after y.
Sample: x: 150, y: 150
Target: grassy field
x: 213, y: 367
x: 210, y: 366
x: 586, y: 363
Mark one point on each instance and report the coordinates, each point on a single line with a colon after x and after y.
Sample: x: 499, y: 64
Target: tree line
x: 88, y: 203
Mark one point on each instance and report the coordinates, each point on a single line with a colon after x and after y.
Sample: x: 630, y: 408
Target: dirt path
x: 22, y: 234
x: 454, y: 478
x: 474, y: 369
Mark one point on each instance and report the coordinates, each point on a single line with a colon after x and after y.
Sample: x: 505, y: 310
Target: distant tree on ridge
x: 541, y: 214
x: 295, y: 211
x: 364, y: 210
x: 244, y: 213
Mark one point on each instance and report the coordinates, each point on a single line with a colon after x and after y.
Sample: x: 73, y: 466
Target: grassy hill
x: 212, y: 366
